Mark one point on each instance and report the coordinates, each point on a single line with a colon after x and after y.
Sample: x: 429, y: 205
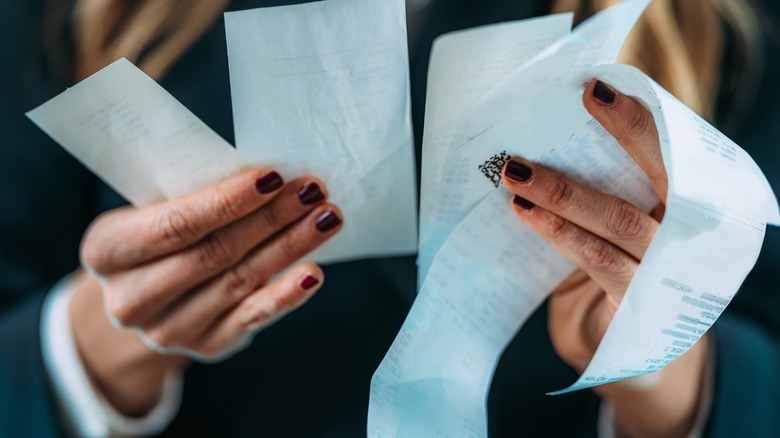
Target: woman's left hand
x: 606, y: 237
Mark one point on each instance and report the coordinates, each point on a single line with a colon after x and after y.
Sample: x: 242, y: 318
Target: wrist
x: 122, y: 369
x: 664, y: 404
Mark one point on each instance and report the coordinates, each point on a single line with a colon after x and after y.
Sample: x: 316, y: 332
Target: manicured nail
x: 327, y: 222
x: 518, y: 172
x: 268, y: 183
x: 310, y: 193
x: 309, y: 282
x: 603, y: 93
x: 523, y: 203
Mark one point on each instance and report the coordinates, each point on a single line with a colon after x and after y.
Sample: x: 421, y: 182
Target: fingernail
x: 310, y: 193
x: 523, y: 203
x: 518, y: 172
x: 309, y: 282
x: 327, y: 222
x: 603, y: 93
x: 268, y: 183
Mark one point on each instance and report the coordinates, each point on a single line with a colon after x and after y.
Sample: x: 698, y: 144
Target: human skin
x: 606, y: 237
x: 167, y: 282
x: 193, y: 275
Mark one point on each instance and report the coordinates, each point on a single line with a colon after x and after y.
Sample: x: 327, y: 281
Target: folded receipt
x: 318, y: 89
x: 483, y: 273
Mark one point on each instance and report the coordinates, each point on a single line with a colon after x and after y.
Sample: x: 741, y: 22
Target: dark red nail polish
x: 310, y: 193
x: 309, y: 282
x: 603, y: 93
x: 268, y: 183
x: 518, y: 172
x: 327, y: 222
x: 523, y: 203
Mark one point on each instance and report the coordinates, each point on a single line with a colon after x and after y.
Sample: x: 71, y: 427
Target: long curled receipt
x: 485, y: 273
x: 464, y: 65
x: 318, y: 89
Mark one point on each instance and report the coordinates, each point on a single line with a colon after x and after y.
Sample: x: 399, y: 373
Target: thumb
x: 632, y: 126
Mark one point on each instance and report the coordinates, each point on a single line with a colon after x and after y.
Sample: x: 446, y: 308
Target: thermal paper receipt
x: 323, y: 88
x: 319, y: 89
x: 483, y: 273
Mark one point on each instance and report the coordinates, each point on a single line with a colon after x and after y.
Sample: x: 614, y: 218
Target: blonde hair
x: 681, y: 44
x: 153, y: 34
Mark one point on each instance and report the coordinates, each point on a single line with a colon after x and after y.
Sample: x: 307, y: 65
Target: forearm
x: 665, y: 404
x: 126, y: 372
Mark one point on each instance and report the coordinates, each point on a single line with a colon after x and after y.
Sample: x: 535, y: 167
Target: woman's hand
x: 606, y: 237
x: 193, y: 275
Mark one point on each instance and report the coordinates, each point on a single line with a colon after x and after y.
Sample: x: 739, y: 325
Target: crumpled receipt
x: 319, y: 88
x: 483, y: 273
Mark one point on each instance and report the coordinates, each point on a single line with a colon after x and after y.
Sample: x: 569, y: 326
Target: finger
x: 155, y: 285
x: 632, y: 126
x: 262, y: 308
x: 606, y: 264
x: 274, y: 256
x: 606, y: 216
x: 128, y: 237
x: 212, y: 299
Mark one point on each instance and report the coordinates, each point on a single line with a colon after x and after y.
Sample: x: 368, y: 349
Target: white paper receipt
x: 483, y: 273
x: 319, y: 89
x: 323, y: 89
x: 137, y: 137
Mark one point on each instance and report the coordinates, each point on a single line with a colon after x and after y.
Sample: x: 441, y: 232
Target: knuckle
x: 561, y: 193
x: 639, y: 122
x: 175, y: 227
x: 214, y: 252
x: 253, y: 318
x: 558, y: 228
x: 225, y: 206
x: 274, y: 218
x: 260, y: 313
x: 291, y: 300
x: 121, y: 310
x: 239, y: 282
x: 293, y: 247
x: 161, y: 336
x: 600, y: 256
x: 623, y: 219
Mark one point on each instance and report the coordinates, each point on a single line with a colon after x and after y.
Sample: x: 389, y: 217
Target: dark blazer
x: 309, y: 374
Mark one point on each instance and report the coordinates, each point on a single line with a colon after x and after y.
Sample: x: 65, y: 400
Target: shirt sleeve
x: 82, y: 408
x: 606, y: 421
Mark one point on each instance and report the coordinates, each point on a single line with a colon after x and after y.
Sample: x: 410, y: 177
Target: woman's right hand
x: 193, y: 275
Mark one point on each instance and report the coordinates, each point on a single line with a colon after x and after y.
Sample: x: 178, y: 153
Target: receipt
x: 481, y: 288
x: 135, y: 136
x: 323, y: 89
x: 517, y: 101
x: 487, y: 272
x: 717, y: 209
x: 463, y: 67
x: 320, y: 88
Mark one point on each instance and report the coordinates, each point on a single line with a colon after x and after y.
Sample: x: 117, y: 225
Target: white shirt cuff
x: 606, y: 421
x: 84, y: 410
